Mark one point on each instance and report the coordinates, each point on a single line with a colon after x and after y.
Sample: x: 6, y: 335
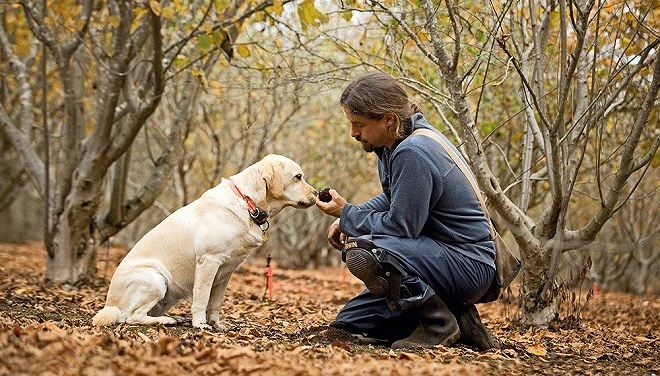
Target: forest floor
x: 46, y: 330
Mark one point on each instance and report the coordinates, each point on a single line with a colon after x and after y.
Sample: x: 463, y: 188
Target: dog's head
x: 285, y: 182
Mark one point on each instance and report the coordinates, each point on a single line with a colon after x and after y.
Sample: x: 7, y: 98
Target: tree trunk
x: 73, y: 254
x: 73, y: 250
x: 538, y: 308
x: 644, y: 267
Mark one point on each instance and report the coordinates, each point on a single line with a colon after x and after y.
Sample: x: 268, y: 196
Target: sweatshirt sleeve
x: 379, y: 203
x: 411, y: 191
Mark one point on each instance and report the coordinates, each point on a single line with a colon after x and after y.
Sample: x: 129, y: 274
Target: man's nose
x: 355, y: 133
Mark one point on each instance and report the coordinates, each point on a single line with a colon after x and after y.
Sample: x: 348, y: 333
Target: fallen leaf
x: 341, y: 345
x: 409, y: 356
x: 537, y: 349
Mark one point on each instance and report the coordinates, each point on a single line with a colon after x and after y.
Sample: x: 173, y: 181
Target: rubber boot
x: 437, y: 326
x: 473, y: 331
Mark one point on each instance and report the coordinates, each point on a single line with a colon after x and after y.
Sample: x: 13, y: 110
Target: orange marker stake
x: 268, y: 272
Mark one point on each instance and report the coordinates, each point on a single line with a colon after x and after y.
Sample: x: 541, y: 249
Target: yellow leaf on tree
x: 537, y: 349
x: 215, y: 84
x: 259, y: 17
x: 168, y: 12
x: 243, y: 50
x: 139, y: 14
x: 347, y: 15
x: 113, y: 21
x: 423, y: 36
x: 155, y: 7
x: 179, y: 5
x: 221, y: 5
x: 277, y: 7
x: 200, y: 76
x: 309, y: 15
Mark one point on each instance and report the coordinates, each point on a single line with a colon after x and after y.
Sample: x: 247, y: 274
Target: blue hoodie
x: 426, y: 203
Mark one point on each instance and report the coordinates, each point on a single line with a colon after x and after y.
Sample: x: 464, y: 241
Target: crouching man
x: 422, y: 247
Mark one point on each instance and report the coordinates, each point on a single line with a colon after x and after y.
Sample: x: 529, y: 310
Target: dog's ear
x: 272, y: 174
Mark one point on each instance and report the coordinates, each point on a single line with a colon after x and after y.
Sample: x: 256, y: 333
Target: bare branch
x: 528, y: 150
x: 22, y: 144
x: 72, y: 45
x: 591, y: 229
x: 645, y: 160
x: 39, y: 29
x: 519, y: 224
x: 452, y: 9
x: 20, y: 139
x: 411, y: 34
x: 113, y: 82
x: 136, y: 121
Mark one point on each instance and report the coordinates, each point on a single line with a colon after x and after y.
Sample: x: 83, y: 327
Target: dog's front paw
x: 219, y: 326
x: 202, y: 325
x: 216, y: 321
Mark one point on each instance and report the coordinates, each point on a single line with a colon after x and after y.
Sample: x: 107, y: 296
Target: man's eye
x: 298, y: 177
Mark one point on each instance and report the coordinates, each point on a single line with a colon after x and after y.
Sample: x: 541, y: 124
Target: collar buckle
x: 258, y: 216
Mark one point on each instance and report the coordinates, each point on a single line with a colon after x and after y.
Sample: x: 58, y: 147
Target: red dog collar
x: 260, y: 217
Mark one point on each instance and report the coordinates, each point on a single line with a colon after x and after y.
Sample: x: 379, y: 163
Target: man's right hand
x: 336, y: 238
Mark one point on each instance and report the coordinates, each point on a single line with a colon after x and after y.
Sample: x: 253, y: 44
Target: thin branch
x: 589, y: 231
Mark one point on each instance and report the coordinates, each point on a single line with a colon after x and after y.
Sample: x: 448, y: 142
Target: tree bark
x: 74, y: 240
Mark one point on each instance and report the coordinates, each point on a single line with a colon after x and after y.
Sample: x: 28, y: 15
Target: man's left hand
x: 333, y: 207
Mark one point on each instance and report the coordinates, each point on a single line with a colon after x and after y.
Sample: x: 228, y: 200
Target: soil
x: 46, y: 330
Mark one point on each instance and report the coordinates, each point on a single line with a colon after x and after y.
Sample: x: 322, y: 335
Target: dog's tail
x: 108, y: 315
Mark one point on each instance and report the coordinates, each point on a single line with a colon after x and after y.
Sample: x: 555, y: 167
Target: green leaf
x: 480, y: 35
x: 488, y: 126
x: 204, y: 42
x: 180, y: 61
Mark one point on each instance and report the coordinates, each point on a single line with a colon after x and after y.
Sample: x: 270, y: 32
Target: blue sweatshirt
x: 426, y: 203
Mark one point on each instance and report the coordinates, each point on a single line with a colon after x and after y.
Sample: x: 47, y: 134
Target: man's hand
x: 333, y: 207
x: 336, y: 238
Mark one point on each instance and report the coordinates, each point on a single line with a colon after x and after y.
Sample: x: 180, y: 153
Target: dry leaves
x: 46, y: 330
x: 538, y: 349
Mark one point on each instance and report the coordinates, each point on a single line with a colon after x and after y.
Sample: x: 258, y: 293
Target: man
x: 422, y: 246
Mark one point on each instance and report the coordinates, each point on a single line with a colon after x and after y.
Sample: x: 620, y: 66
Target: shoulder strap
x: 463, y: 167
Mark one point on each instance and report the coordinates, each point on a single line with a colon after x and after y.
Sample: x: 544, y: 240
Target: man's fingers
x: 335, y: 245
x: 334, y: 242
x: 335, y: 236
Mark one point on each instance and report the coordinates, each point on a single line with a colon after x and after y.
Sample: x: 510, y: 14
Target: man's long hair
x: 376, y: 94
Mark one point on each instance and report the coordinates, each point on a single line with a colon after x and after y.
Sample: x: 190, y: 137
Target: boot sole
x: 475, y: 333
x: 364, y: 266
x: 406, y: 344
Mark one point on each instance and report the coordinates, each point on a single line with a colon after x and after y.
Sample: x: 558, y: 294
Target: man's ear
x: 390, y: 120
x: 272, y: 174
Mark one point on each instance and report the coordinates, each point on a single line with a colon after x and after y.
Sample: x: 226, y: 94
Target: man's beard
x: 367, y: 147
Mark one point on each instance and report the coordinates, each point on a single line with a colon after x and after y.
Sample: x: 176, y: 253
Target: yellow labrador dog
x: 197, y: 248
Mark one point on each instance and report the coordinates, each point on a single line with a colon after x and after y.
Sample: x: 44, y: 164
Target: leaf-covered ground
x: 46, y: 330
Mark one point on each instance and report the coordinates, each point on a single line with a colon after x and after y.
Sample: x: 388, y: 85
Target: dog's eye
x: 298, y: 177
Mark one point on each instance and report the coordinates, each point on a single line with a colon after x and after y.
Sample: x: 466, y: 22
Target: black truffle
x: 324, y: 195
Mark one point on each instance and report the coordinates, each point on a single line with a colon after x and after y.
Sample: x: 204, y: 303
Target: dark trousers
x: 455, y: 278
